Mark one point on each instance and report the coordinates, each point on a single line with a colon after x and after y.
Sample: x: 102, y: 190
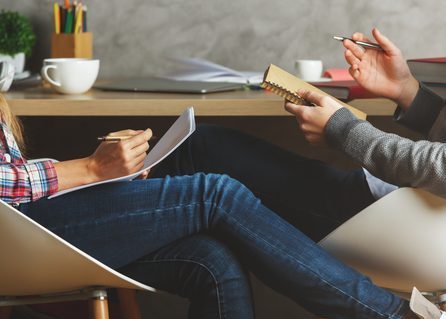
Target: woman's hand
x: 111, y: 159
x: 114, y: 159
x: 384, y: 73
x: 312, y: 120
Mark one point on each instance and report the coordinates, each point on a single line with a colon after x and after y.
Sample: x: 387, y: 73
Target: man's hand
x: 312, y: 120
x: 384, y: 73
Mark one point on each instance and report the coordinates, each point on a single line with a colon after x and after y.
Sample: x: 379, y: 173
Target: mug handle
x: 9, y: 72
x: 45, y: 75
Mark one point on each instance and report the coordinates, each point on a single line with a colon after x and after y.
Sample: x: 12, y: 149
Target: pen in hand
x: 367, y: 45
x: 117, y: 138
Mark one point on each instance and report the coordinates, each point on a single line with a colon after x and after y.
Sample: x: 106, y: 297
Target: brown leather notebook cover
x: 286, y: 85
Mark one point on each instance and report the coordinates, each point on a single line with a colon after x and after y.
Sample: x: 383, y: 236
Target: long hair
x: 13, y: 123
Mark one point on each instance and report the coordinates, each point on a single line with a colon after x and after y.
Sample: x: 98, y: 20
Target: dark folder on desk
x: 153, y: 84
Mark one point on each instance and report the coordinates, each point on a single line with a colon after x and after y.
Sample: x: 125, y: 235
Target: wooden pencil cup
x: 72, y: 45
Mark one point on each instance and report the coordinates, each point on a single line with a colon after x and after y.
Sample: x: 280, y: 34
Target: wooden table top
x: 43, y: 101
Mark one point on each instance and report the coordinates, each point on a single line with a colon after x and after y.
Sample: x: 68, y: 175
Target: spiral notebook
x: 286, y: 85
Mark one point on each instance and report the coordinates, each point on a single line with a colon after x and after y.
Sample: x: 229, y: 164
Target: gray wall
x: 245, y: 34
x: 248, y: 34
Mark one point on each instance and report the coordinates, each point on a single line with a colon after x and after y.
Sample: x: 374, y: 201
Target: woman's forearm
x: 74, y: 173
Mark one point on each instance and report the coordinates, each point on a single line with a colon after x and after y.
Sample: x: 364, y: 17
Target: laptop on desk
x: 160, y: 85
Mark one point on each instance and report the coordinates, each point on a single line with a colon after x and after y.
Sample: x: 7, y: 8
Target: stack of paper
x: 195, y: 69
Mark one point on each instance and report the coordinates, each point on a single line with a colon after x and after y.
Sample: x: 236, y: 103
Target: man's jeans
x: 195, y: 236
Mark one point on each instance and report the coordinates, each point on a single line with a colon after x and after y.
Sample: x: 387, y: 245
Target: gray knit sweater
x: 392, y: 158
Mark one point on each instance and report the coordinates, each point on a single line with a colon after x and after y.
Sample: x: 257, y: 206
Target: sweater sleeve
x: 392, y: 158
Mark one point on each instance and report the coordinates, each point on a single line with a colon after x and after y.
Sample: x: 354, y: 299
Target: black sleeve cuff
x: 423, y: 111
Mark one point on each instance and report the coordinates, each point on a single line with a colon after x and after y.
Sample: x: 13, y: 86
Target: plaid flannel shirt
x: 22, y: 182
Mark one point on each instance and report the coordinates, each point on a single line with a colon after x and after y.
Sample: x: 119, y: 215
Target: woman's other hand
x: 312, y: 120
x: 113, y: 159
x: 384, y: 73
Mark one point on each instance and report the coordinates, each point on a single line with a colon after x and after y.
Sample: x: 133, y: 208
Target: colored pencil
x: 69, y: 21
x: 56, y: 18
x: 78, y: 19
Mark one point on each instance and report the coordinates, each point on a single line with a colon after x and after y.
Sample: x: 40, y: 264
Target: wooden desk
x: 43, y: 101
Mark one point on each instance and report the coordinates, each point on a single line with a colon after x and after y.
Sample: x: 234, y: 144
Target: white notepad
x: 183, y: 127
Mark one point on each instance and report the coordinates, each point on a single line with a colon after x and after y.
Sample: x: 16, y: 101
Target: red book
x: 429, y: 70
x: 344, y: 90
x: 338, y: 74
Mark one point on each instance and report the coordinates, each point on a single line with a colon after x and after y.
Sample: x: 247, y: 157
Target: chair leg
x: 99, y: 308
x: 5, y: 312
x: 128, y: 304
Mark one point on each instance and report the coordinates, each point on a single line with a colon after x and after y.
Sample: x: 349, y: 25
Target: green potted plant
x: 17, y: 39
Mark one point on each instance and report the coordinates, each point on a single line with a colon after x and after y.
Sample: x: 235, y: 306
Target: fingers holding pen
x: 358, y: 36
x: 138, y: 139
x: 127, y: 132
x: 139, y: 150
x: 354, y: 71
x: 385, y: 43
x: 351, y: 58
x: 356, y: 50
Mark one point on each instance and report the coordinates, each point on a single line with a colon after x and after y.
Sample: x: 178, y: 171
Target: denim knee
x: 224, y: 190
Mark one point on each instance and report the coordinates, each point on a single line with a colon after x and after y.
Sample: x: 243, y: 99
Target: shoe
x: 423, y: 308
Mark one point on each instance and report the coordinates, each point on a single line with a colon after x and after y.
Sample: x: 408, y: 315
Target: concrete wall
x: 133, y: 37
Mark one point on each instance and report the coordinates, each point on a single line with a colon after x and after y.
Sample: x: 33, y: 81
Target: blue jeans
x: 311, y: 195
x: 195, y: 235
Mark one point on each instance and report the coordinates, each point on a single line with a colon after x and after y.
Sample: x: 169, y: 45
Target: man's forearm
x: 392, y: 158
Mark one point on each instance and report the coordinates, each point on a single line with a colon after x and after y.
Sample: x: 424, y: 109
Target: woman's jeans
x: 196, y: 235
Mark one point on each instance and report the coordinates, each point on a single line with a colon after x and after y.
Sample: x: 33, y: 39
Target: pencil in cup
x: 119, y: 138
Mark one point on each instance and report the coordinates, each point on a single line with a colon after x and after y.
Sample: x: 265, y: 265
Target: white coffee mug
x: 70, y: 75
x: 308, y: 70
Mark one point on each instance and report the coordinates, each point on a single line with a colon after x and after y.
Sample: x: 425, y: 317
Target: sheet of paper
x: 183, y: 127
x: 195, y: 69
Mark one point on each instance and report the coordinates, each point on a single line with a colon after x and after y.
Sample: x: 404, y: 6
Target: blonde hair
x: 13, y: 123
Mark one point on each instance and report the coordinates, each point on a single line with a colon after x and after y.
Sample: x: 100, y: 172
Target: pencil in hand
x: 117, y: 138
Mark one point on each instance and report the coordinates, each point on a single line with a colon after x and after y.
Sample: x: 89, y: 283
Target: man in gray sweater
x: 392, y: 158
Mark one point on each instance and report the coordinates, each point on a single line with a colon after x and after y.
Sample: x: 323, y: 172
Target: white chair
x: 399, y: 242
x: 38, y: 267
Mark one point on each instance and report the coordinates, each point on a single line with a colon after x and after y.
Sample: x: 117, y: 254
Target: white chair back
x: 399, y: 241
x: 36, y: 261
